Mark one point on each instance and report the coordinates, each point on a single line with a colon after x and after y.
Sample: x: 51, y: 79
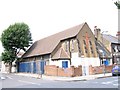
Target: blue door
x: 64, y: 64
x: 42, y: 64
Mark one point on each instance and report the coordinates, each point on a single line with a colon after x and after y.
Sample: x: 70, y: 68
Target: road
x: 15, y: 81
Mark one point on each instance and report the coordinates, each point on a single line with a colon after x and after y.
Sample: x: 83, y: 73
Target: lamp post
x: 103, y: 52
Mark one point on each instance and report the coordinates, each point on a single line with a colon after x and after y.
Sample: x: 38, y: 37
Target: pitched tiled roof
x: 111, y: 38
x: 61, y: 54
x: 48, y: 44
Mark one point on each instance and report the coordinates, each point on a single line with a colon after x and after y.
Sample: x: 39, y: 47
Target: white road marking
x: 3, y: 78
x: 111, y: 82
x: 9, y: 77
x: 115, y: 84
x: 106, y: 82
x: 116, y: 80
x: 28, y: 82
x: 96, y: 82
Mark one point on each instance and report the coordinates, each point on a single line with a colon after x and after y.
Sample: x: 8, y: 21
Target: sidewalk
x: 57, y: 78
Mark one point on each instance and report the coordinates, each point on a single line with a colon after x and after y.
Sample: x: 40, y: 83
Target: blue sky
x: 46, y: 17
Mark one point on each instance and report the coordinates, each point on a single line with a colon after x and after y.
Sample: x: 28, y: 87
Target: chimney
x: 118, y: 33
x: 97, y: 32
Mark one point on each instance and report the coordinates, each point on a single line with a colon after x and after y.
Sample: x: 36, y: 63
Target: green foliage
x: 0, y: 58
x: 15, y: 38
x: 8, y: 56
x: 117, y: 4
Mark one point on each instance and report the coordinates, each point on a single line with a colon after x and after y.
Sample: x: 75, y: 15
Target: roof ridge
x: 82, y: 24
x: 48, y: 44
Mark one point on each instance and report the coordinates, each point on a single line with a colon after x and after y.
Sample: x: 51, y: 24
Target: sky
x: 47, y: 17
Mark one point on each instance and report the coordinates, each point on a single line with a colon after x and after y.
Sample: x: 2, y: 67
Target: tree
x: 15, y: 38
x: 117, y: 4
x: 8, y: 57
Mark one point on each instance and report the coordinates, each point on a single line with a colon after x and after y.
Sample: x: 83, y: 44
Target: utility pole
x: 103, y: 52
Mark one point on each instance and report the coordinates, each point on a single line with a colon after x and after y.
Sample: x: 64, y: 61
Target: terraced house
x: 72, y: 47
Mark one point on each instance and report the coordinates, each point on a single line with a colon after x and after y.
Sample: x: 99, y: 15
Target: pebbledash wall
x: 5, y: 67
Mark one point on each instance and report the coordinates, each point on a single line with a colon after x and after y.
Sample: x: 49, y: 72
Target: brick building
x: 66, y: 50
x: 72, y: 47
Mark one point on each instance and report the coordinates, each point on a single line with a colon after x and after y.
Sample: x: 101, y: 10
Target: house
x: 72, y: 47
x: 113, y: 45
x: 109, y: 46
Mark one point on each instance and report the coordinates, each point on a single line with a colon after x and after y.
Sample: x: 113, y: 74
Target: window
x: 64, y: 64
x: 91, y: 50
x: 72, y: 44
x: 66, y: 46
x: 85, y: 49
x: 84, y: 42
x: 90, y: 43
x: 85, y: 46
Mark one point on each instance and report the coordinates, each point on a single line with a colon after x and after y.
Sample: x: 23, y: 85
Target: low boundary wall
x: 100, y: 69
x: 53, y: 70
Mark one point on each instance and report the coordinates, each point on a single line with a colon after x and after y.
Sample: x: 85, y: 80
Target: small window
x: 84, y: 42
x: 90, y: 42
x: 92, y: 52
x: 72, y: 44
x: 85, y: 49
x: 64, y: 64
x: 66, y: 46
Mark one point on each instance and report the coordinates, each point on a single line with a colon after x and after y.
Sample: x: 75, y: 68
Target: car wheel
x: 113, y: 74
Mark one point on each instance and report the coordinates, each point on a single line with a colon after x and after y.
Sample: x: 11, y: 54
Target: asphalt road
x: 15, y: 81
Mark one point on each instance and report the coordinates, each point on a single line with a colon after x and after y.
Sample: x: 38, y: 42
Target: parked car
x: 116, y: 70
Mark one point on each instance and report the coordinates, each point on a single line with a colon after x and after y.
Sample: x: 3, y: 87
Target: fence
x: 32, y: 67
x: 53, y: 70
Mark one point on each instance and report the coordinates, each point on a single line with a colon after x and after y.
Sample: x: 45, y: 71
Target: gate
x: 32, y: 67
x: 42, y: 64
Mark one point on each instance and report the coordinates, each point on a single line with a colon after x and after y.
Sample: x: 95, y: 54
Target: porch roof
x: 61, y: 54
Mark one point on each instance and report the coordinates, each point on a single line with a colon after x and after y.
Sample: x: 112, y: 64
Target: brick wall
x: 68, y: 72
x: 99, y: 69
x: 51, y: 70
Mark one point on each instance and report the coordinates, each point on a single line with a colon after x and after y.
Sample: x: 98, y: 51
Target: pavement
x: 58, y: 78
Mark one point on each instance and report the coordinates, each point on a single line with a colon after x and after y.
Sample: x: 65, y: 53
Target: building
x: 72, y: 47
x: 110, y: 46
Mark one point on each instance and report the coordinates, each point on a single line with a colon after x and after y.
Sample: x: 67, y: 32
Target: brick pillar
x: 57, y: 70
x: 72, y: 70
x: 80, y: 67
x: 91, y: 70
